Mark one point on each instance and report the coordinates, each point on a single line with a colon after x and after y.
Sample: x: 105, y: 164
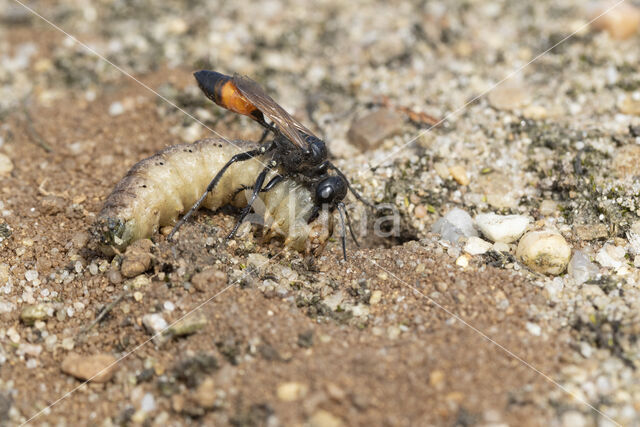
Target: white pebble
x: 544, y: 251
x: 148, y: 403
x: 6, y: 165
x: 454, y: 225
x: 502, y: 228
x: 154, y: 323
x: 31, y: 275
x: 581, y: 268
x: 477, y: 246
x: 169, y: 306
x: 534, y: 329
x: 611, y: 256
x: 116, y: 109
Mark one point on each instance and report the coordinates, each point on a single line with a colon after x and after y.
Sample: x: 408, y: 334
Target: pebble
x: 6, y: 165
x: 209, y: 278
x: 257, y: 261
x: 477, y: 246
x: 420, y: 211
x: 454, y: 225
x: 459, y: 174
x: 581, y: 268
x: 137, y: 258
x: 368, y: 132
x: 502, y: 228
x: 31, y: 275
x: 629, y: 105
x: 205, y: 395
x: 154, y: 323
x: 189, y: 325
x: 509, y: 96
x: 548, y: 207
x: 148, y: 403
x: 322, y: 418
x: 463, y: 261
x: 625, y: 161
x: 292, y: 391
x: 32, y: 313
x: 53, y: 205
x: 116, y: 108
x: 376, y: 297
x: 620, y: 22
x: 544, y: 251
x: 99, y: 368
x: 611, y: 256
x: 591, y: 231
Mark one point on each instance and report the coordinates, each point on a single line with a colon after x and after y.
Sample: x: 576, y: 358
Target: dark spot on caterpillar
x: 144, y: 185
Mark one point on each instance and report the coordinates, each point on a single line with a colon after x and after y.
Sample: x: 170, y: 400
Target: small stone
x: 97, y: 368
x: 80, y: 239
x: 501, y: 247
x: 189, y: 325
x: 209, y: 278
x: 502, y: 228
x: 6, y: 165
x: 535, y: 112
x: 441, y: 169
x: 581, y: 268
x: 322, y: 418
x: 621, y: 22
x: 31, y: 275
x: 463, y: 261
x: 442, y: 287
x: 611, y: 256
x: 534, y: 329
x: 625, y: 161
x: 544, y: 251
x: 154, y: 323
x: 292, y: 391
x: 32, y: 313
x: 138, y: 282
x: 437, y: 379
x: 477, y: 246
x: 116, y: 108
x: 368, y: 132
x: 376, y: 297
x: 148, y: 403
x: 509, y: 96
x: 257, y: 261
x: 137, y: 258
x: 459, y: 174
x: 335, y: 392
x: 591, y: 231
x: 53, y: 205
x: 548, y: 207
x: 420, y: 211
x: 629, y: 105
x: 454, y: 225
x: 205, y: 395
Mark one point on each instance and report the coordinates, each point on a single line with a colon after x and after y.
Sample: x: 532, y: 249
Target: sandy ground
x: 399, y: 334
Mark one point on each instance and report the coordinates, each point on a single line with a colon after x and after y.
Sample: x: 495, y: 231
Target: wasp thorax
x: 317, y: 149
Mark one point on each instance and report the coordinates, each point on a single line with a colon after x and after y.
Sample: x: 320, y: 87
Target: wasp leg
x: 240, y: 157
x: 274, y: 181
x: 354, y: 192
x: 343, y: 233
x: 346, y: 213
x: 257, y: 187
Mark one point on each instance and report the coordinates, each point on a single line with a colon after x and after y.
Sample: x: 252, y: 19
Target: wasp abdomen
x: 220, y: 89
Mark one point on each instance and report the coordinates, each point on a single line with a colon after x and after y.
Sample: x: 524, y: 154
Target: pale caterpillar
x: 159, y: 188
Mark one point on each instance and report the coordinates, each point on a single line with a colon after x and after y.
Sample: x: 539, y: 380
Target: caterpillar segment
x: 158, y: 189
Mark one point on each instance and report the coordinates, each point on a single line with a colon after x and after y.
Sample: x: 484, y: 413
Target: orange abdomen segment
x: 233, y: 100
x: 220, y: 89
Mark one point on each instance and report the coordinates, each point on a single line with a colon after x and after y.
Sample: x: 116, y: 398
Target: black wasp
x: 295, y: 151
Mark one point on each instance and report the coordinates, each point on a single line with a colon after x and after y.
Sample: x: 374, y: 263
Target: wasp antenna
x: 346, y: 214
x: 343, y: 231
x: 354, y: 192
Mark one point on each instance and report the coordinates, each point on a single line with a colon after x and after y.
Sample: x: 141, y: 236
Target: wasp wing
x: 289, y: 126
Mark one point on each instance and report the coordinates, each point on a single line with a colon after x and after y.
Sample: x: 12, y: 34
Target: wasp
x: 293, y: 152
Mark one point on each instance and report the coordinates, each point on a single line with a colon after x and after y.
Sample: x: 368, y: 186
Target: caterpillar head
x: 112, y: 233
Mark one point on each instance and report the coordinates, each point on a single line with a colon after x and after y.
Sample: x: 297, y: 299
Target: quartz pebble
x: 6, y: 165
x: 611, y: 256
x: 581, y: 268
x: 454, y: 225
x: 205, y: 394
x: 620, y: 23
x: 189, y: 325
x: 544, y: 251
x: 32, y: 313
x: 137, y: 258
x: 509, y: 96
x: 154, y: 323
x: 292, y: 391
x: 476, y: 246
x: 322, y: 418
x: 97, y: 368
x: 502, y: 228
x: 370, y: 130
x: 459, y: 174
